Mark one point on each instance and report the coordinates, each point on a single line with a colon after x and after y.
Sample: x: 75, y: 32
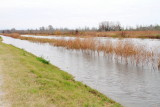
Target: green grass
x: 33, y: 82
x: 0, y: 38
x: 41, y: 59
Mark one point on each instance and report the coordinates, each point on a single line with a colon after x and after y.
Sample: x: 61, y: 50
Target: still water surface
x: 129, y: 85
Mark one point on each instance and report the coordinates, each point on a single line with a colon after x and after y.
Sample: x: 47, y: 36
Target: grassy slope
x: 30, y: 83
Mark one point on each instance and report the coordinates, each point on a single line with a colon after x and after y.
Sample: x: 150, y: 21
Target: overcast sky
x: 23, y: 14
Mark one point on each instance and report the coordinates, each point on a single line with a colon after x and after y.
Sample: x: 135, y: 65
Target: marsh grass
x: 124, y: 34
x: 122, y: 51
x: 158, y: 62
x: 114, y: 34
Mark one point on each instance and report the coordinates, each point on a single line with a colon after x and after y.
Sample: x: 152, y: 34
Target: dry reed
x: 125, y: 51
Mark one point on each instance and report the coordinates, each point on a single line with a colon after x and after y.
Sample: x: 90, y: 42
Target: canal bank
x: 30, y: 81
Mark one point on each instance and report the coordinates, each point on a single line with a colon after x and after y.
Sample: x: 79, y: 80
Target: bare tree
x: 110, y: 26
x: 50, y: 28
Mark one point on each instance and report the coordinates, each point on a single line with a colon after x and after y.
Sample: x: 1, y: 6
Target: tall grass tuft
x: 43, y: 60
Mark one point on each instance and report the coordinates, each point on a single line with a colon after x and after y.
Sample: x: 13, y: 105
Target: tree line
x: 103, y: 26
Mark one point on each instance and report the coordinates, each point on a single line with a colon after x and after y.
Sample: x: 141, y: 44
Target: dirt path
x: 2, y: 93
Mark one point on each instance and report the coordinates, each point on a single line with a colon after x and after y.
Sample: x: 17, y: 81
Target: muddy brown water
x: 129, y: 85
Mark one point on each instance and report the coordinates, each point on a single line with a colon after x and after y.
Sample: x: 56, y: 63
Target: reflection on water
x: 129, y: 85
x: 49, y: 37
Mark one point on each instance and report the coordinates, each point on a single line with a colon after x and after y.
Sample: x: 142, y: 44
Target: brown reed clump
x: 106, y: 47
x: 13, y: 35
x: 158, y: 63
x: 85, y: 44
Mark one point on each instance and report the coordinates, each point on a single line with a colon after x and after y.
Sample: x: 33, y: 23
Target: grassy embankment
x: 33, y: 82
